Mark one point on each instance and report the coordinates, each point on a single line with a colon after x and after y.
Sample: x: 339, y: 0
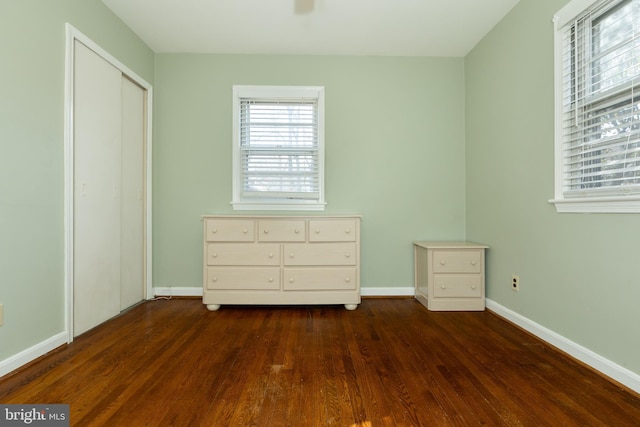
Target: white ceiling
x: 340, y: 27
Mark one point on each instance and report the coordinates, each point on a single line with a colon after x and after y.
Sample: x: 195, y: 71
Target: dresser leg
x: 351, y: 306
x: 213, y: 307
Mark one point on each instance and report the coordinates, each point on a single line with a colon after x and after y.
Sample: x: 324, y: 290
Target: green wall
x: 579, y: 273
x: 32, y: 48
x: 394, y: 152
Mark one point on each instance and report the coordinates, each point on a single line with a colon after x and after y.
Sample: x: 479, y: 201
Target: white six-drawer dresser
x: 281, y: 260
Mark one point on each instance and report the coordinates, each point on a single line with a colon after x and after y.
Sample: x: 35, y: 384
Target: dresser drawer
x: 230, y: 230
x: 304, y: 279
x: 457, y: 261
x: 320, y: 254
x: 332, y: 230
x: 457, y: 285
x: 281, y: 230
x: 243, y: 254
x: 243, y: 278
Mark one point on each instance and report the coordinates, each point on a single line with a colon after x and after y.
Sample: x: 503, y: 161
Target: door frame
x: 72, y: 34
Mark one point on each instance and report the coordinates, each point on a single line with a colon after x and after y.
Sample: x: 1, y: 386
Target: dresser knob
x: 347, y: 231
x: 214, y: 255
x: 442, y: 262
x: 317, y: 231
x: 214, y: 279
x: 347, y: 279
x: 245, y: 231
x: 473, y: 262
x: 214, y: 230
x: 473, y: 287
x: 270, y: 255
x: 291, y: 280
x: 443, y: 287
x: 270, y: 279
x: 347, y: 255
x: 266, y: 231
x: 291, y: 255
x: 296, y: 231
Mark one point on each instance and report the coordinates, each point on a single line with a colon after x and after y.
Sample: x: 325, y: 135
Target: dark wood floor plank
x: 480, y: 382
x: 431, y: 367
x: 541, y: 369
x: 401, y: 335
x: 390, y: 362
x: 454, y: 350
x: 270, y: 375
x: 394, y: 380
x: 252, y: 383
x: 362, y: 344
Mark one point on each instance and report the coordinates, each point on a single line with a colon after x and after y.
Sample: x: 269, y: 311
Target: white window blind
x: 279, y: 147
x: 600, y: 101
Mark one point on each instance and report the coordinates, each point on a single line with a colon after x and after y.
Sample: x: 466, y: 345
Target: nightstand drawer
x: 243, y: 254
x: 457, y: 285
x: 457, y: 261
x: 281, y: 230
x: 229, y: 230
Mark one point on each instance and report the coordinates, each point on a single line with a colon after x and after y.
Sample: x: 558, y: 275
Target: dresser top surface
x: 450, y: 245
x: 281, y: 216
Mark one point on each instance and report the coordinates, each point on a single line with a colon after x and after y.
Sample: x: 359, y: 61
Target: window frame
x: 618, y: 200
x: 242, y: 202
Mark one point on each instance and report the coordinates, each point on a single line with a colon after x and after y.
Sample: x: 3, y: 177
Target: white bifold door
x: 109, y: 209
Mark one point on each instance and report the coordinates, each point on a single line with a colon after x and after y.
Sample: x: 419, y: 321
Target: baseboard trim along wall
x: 20, y: 359
x: 612, y: 370
x: 177, y: 291
x: 387, y: 292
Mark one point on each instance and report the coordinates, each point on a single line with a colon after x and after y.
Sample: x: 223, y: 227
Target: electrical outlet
x: 515, y: 282
x: 1, y: 314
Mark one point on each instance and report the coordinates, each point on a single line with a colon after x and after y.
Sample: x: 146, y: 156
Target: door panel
x: 132, y: 227
x: 97, y: 192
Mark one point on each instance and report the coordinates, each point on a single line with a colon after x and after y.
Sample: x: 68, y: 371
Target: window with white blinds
x: 278, y: 147
x: 598, y: 106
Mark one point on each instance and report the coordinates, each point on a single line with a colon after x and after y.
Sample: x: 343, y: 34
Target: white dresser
x: 281, y: 260
x: 449, y: 276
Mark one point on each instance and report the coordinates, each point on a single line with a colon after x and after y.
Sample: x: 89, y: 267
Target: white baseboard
x: 607, y: 367
x: 390, y: 291
x: 177, y: 291
x: 17, y: 360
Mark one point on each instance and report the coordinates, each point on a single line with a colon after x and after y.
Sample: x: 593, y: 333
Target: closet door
x: 97, y: 191
x: 132, y: 259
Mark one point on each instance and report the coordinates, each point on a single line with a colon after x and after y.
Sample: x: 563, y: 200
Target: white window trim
x: 241, y: 91
x: 619, y: 203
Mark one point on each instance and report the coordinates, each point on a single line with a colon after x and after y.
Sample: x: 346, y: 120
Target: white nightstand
x: 449, y: 276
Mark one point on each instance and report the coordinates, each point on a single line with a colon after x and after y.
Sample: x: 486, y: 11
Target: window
x: 278, y: 148
x: 597, y: 130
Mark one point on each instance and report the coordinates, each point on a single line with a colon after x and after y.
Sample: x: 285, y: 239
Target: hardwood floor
x: 391, y: 362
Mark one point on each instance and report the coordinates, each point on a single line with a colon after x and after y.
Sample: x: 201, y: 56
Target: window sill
x: 254, y: 206
x: 624, y: 204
